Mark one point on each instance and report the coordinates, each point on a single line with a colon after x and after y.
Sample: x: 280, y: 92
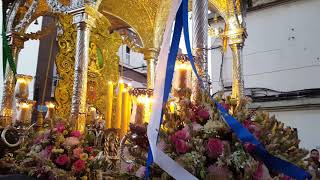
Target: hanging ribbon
x: 162, y: 90
x: 7, y: 53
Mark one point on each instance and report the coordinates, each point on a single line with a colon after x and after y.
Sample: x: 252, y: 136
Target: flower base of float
x: 196, y: 137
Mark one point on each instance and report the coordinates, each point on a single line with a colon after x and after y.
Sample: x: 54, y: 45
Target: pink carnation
x: 77, y: 151
x: 140, y: 172
x: 60, y: 127
x: 79, y: 165
x: 203, y: 114
x: 62, y: 160
x: 259, y: 172
x: 182, y: 134
x: 71, y: 141
x: 89, y: 149
x: 181, y: 146
x: 249, y: 147
x: 215, y: 147
x: 76, y: 134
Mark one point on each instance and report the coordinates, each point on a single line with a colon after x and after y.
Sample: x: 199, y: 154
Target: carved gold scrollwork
x: 98, y: 74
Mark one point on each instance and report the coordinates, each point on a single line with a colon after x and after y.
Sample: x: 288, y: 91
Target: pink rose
x: 203, y: 114
x: 77, y: 151
x: 79, y: 165
x: 259, y: 172
x: 62, y: 160
x: 246, y: 123
x: 249, y: 147
x: 76, y: 134
x: 181, y: 146
x: 255, y: 130
x: 225, y: 106
x: 141, y: 172
x: 89, y: 149
x: 71, y: 141
x: 183, y: 134
x: 215, y: 147
x: 60, y: 127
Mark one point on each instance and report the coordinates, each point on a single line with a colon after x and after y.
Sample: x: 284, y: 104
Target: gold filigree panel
x: 224, y: 7
x: 65, y: 66
x: 98, y: 74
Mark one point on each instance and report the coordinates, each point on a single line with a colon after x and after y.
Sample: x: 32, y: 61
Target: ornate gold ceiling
x: 146, y: 17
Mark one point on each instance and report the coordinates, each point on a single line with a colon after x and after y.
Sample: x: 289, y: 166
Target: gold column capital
x: 151, y: 56
x: 150, y: 53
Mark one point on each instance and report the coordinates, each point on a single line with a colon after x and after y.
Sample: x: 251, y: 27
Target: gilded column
x: 200, y: 41
x: 79, y: 96
x: 150, y: 56
x: 6, y: 112
x: 236, y: 36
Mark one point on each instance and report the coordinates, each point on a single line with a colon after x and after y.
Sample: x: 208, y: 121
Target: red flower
x: 214, y: 147
x: 89, y: 149
x: 181, y: 146
x: 76, y: 134
x: 225, y: 106
x: 181, y: 134
x: 62, y: 160
x: 249, y: 147
x: 203, y: 114
x: 246, y: 123
x: 79, y: 165
x: 60, y: 127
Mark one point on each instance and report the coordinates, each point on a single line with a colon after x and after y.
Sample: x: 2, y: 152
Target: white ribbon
x: 163, y: 160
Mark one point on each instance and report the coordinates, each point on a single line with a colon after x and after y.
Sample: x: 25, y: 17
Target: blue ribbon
x: 243, y: 134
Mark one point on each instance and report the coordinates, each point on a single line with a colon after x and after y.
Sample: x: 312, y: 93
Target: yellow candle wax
x: 124, y: 113
x: 109, y: 104
x: 117, y: 120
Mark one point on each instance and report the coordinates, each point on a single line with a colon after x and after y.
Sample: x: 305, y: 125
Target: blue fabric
x: 241, y: 132
x: 169, y: 74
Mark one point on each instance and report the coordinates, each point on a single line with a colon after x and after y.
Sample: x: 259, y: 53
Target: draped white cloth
x: 163, y: 160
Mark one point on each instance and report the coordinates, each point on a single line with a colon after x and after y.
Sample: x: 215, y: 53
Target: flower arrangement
x: 53, y: 154
x: 197, y: 138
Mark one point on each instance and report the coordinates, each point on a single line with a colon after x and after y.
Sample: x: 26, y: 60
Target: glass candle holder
x: 182, y: 73
x: 50, y: 110
x: 24, y: 112
x: 142, y: 100
x: 22, y: 86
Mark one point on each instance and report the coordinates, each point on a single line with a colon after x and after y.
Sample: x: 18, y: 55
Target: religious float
x: 101, y: 128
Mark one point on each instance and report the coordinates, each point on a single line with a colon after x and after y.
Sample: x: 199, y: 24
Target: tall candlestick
x: 23, y: 112
x: 129, y: 108
x: 22, y: 89
x: 182, y: 75
x: 139, y: 119
x: 124, y: 113
x: 50, y: 113
x: 108, y: 115
x: 117, y: 120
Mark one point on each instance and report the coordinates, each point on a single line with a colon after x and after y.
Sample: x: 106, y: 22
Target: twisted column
x: 199, y: 43
x: 6, y: 112
x: 150, y: 56
x: 237, y: 73
x: 79, y: 96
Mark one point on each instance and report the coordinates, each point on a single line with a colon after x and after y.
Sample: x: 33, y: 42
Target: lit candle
x: 117, y: 120
x: 171, y: 106
x: 23, y: 112
x: 22, y: 89
x: 182, y: 76
x: 92, y: 114
x: 124, y: 113
x: 50, y: 111
x: 108, y: 114
x: 129, y: 105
